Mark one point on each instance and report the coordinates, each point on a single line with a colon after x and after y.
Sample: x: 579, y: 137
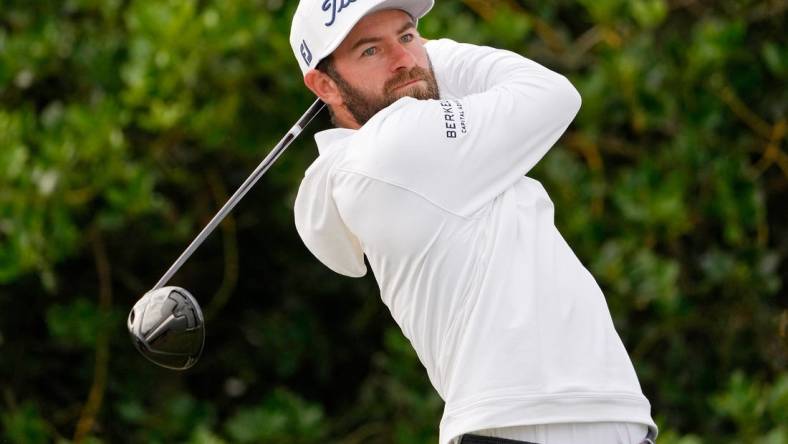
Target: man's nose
x: 402, y: 57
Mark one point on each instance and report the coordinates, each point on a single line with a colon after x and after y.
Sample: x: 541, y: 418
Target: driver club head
x: 167, y: 326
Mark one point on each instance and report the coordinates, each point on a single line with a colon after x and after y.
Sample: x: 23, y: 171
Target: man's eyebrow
x: 407, y: 26
x: 366, y: 40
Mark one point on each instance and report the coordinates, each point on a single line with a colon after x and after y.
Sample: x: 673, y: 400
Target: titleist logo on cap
x: 335, y: 7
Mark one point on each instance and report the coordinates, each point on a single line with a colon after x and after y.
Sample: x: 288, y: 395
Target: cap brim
x: 415, y: 8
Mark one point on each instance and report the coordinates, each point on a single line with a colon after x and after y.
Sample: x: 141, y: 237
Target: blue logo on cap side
x: 306, y: 53
x: 331, y: 5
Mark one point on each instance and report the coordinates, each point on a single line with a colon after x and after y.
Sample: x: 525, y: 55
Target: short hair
x: 326, y: 65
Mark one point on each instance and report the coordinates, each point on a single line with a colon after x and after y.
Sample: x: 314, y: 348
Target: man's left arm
x: 502, y: 113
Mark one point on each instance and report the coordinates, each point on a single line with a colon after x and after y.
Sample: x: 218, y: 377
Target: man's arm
x: 501, y: 114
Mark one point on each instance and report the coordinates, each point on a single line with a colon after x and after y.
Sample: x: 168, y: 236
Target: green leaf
x: 649, y: 13
x: 75, y: 324
x: 282, y: 418
x: 24, y: 425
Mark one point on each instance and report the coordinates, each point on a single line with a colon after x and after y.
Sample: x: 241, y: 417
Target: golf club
x: 166, y: 324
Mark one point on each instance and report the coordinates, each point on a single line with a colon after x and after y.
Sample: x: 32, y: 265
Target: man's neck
x: 342, y: 118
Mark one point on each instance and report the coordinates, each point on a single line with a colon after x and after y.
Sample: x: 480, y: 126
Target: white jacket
x: 511, y: 327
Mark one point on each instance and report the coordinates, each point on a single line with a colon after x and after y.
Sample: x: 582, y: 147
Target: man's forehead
x: 378, y: 23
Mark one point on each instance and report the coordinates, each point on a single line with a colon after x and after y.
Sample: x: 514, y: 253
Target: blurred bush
x: 125, y: 124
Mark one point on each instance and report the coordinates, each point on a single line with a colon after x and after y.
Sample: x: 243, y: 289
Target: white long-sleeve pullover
x: 510, y: 326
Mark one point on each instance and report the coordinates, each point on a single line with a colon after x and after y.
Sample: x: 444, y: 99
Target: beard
x: 363, y: 106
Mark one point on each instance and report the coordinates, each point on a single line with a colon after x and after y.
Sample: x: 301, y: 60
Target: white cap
x: 320, y: 26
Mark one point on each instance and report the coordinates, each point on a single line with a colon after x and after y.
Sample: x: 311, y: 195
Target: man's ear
x: 324, y: 87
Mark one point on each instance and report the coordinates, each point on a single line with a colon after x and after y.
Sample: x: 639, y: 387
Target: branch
x: 772, y: 153
x: 486, y: 10
x: 590, y: 152
x: 767, y: 10
x: 230, y: 242
x: 588, y: 148
x: 758, y: 125
x: 96, y: 395
x: 774, y: 134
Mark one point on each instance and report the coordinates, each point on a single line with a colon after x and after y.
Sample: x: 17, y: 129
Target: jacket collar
x: 328, y: 137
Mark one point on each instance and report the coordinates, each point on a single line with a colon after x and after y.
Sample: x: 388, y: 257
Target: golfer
x: 425, y: 176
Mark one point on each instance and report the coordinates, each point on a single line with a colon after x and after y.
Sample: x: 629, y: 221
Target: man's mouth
x: 408, y: 83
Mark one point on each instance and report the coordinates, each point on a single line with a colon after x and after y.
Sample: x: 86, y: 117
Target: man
x: 425, y: 176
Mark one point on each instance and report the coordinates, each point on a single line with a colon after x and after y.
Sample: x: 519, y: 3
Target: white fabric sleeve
x: 501, y: 114
x: 321, y: 226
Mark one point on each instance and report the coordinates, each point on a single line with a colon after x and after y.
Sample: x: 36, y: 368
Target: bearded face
x: 382, y: 59
x: 417, y: 82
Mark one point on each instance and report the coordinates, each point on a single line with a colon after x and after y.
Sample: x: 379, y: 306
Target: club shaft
x: 261, y: 169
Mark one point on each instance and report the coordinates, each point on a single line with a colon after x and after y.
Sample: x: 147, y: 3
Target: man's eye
x: 407, y: 38
x: 369, y: 52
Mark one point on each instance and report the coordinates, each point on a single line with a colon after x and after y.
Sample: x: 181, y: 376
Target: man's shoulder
x: 394, y: 141
x: 407, y: 121
x: 399, y: 146
x: 397, y: 111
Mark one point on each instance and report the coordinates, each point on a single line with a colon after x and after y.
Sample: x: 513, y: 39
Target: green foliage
x: 24, y: 425
x: 282, y: 418
x: 411, y: 408
x: 755, y: 407
x: 125, y: 124
x: 648, y: 13
x: 77, y: 323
